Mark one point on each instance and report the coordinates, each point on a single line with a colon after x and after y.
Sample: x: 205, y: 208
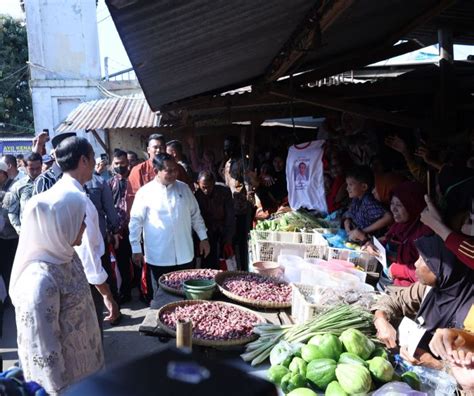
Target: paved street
x: 121, y: 343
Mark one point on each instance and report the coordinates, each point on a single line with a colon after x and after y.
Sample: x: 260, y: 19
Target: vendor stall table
x: 150, y: 326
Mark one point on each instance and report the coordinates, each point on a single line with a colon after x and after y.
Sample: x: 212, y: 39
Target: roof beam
x: 365, y: 56
x: 422, y: 18
x: 352, y: 108
x: 306, y: 36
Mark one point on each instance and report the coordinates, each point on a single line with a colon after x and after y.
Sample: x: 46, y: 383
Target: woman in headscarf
x: 441, y: 298
x: 406, y: 205
x: 59, y: 340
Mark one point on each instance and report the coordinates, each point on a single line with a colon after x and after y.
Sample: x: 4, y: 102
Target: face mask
x: 121, y: 170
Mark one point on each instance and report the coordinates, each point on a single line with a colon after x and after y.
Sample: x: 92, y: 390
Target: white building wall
x: 64, y: 59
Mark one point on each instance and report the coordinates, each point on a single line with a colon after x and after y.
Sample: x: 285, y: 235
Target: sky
x: 109, y: 40
x: 111, y: 45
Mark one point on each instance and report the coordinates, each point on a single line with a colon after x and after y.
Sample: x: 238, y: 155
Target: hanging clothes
x: 304, y: 175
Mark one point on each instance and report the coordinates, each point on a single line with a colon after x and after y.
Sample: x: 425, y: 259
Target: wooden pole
x: 184, y: 335
x: 446, y: 98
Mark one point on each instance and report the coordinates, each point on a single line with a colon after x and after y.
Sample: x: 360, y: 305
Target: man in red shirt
x: 142, y: 173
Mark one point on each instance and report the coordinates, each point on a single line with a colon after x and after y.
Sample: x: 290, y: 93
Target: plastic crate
x: 363, y: 260
x: 301, y: 309
x: 267, y: 245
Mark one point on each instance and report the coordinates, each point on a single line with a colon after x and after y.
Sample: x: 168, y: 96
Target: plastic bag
x: 397, y: 389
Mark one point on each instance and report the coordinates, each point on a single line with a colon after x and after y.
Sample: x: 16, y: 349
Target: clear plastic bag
x: 397, y: 389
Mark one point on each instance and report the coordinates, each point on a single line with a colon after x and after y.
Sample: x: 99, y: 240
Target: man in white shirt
x: 75, y: 157
x: 166, y: 211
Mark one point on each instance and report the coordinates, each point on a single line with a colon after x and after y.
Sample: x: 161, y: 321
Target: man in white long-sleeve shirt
x: 75, y: 156
x: 166, y: 212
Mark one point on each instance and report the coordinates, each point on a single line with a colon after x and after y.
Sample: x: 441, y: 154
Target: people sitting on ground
x: 441, y: 298
x: 336, y: 194
x: 217, y: 209
x: 59, y: 341
x: 365, y: 216
x: 406, y: 206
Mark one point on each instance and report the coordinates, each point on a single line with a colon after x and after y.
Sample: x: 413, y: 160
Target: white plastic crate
x: 267, y: 245
x: 301, y: 309
x: 362, y: 259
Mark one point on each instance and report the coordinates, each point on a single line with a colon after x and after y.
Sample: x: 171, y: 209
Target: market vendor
x: 407, y: 203
x: 365, y: 215
x: 165, y: 211
x: 442, y: 297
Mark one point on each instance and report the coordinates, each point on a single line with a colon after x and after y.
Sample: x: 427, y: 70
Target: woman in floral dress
x: 59, y: 339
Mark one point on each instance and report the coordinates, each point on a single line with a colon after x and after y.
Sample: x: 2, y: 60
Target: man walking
x: 99, y: 192
x: 75, y: 157
x: 123, y: 252
x: 8, y: 235
x: 166, y: 211
x: 21, y: 191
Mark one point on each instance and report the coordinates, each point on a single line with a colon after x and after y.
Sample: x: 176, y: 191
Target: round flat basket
x: 221, y: 277
x: 178, y: 292
x: 208, y: 343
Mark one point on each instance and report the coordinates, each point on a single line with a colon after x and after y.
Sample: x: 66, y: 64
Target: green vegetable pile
x: 292, y: 222
x: 350, y: 364
x: 335, y: 320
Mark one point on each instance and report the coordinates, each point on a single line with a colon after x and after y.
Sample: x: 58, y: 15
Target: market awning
x: 110, y: 113
x: 183, y: 49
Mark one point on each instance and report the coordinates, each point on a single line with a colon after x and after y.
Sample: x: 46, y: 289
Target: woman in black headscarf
x: 442, y: 298
x: 450, y: 299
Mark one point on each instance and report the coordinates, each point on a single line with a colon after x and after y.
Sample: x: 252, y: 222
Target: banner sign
x: 15, y: 147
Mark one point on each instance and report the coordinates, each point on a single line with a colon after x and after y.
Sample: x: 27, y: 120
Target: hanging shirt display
x: 304, y: 175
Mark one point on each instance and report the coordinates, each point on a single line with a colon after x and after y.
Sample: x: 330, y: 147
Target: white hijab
x: 51, y: 223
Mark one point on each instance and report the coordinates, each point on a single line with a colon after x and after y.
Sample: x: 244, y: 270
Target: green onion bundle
x: 335, y: 320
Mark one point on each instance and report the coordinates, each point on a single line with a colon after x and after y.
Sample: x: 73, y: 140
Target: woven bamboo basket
x: 208, y: 343
x: 220, y: 278
x: 177, y: 292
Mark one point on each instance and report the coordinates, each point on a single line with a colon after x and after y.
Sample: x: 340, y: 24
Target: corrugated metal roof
x: 181, y: 49
x: 111, y: 113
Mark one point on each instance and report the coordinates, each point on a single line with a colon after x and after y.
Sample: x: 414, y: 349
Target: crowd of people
x: 172, y: 210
